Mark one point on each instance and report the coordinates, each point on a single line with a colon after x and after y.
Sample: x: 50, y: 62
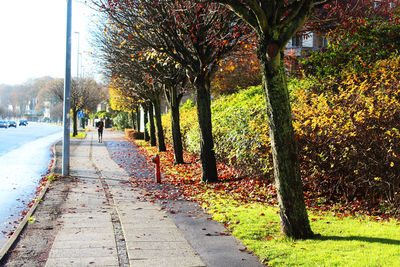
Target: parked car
x: 3, y: 124
x: 12, y: 124
x: 23, y: 122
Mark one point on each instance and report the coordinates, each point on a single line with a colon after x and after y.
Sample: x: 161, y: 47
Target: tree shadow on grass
x: 361, y: 238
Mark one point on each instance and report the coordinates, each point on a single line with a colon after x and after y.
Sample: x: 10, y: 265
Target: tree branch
x: 242, y: 11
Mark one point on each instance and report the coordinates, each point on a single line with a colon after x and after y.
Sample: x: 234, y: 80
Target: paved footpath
x: 105, y: 226
x: 104, y: 221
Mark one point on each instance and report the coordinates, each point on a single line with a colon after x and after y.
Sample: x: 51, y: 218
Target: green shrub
x: 122, y: 120
x: 240, y: 132
x: 238, y: 139
x: 354, y: 46
x: 189, y: 127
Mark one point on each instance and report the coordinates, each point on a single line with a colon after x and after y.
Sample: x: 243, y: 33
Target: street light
x: 77, y: 57
x: 82, y: 61
x: 67, y: 94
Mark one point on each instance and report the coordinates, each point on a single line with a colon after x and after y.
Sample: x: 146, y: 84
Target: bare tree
x: 85, y: 94
x: 2, y: 111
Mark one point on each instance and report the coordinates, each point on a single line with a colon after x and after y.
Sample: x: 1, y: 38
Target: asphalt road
x: 24, y: 157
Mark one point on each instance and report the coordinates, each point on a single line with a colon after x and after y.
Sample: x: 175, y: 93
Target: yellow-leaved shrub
x: 348, y: 134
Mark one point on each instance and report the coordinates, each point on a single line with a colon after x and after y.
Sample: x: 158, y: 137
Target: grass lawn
x: 344, y: 241
x: 80, y: 135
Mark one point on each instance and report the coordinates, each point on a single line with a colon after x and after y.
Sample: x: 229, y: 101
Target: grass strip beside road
x: 80, y: 135
x: 345, y: 240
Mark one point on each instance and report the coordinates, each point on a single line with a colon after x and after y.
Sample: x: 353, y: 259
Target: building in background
x: 302, y: 44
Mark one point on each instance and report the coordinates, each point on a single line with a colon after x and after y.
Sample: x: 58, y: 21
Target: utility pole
x: 67, y: 94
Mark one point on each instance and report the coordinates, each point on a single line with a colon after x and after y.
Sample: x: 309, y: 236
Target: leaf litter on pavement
x: 183, y: 181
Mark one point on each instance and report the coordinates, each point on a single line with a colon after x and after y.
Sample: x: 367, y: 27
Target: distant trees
x: 85, y: 94
x: 2, y: 111
x: 121, y: 100
x: 23, y: 98
x: 30, y: 99
x: 238, y: 70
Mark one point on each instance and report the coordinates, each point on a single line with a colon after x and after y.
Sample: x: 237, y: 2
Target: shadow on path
x: 361, y: 238
x: 96, y: 178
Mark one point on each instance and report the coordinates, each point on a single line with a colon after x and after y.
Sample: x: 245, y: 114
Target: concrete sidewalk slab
x: 102, y: 204
x: 81, y: 262
x: 80, y: 245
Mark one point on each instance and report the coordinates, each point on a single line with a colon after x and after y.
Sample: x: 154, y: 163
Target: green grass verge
x: 344, y: 241
x: 80, y: 135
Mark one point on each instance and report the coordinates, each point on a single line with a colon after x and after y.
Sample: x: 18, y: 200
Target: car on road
x: 23, y: 122
x: 3, y: 124
x: 12, y: 124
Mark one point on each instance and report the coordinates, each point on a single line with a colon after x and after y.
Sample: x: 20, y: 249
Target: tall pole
x: 77, y: 57
x: 67, y: 94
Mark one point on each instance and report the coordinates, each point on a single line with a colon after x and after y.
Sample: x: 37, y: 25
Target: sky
x: 33, y: 39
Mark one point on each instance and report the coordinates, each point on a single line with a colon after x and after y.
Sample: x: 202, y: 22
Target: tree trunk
x: 174, y: 101
x: 176, y: 133
x: 138, y: 118
x: 75, y: 122
x: 146, y: 132
x: 153, y: 141
x: 292, y: 210
x: 208, y: 163
x: 160, y: 133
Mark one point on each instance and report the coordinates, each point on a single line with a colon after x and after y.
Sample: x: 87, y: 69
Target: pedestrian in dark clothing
x: 100, y: 126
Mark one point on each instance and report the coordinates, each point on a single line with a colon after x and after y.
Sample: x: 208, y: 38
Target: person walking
x: 100, y: 126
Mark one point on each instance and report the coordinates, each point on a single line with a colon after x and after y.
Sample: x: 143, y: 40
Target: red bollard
x: 156, y: 160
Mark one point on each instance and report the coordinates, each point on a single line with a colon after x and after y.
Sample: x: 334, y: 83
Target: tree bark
x: 160, y: 133
x: 74, y: 122
x: 292, y: 209
x: 153, y: 140
x: 174, y: 100
x: 138, y: 118
x: 176, y: 133
x: 208, y: 163
x: 146, y: 132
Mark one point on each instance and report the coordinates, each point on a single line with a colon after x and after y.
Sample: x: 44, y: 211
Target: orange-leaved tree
x: 240, y: 69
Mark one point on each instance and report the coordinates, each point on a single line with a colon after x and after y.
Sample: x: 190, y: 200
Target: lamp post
x: 67, y: 94
x: 77, y: 57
